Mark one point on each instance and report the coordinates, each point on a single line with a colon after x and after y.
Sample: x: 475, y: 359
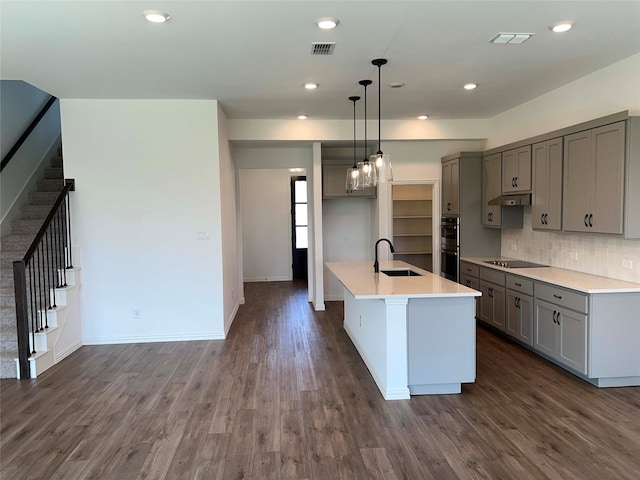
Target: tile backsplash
x: 604, y: 255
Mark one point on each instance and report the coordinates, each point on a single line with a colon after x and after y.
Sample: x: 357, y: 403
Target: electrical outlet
x: 627, y: 263
x: 346, y: 239
x: 573, y: 255
x: 136, y: 313
x: 202, y: 235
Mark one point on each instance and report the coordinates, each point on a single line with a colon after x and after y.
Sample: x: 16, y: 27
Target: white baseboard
x: 229, y: 321
x: 153, y: 338
x: 268, y: 279
x: 337, y: 297
x: 66, y: 352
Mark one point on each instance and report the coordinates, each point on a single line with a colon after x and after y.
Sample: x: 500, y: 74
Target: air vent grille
x: 322, y: 48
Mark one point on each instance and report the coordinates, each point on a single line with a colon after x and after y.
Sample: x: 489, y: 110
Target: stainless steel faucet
x: 376, y: 266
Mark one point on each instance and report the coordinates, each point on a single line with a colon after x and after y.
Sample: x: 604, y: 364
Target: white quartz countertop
x: 582, y: 282
x: 360, y: 279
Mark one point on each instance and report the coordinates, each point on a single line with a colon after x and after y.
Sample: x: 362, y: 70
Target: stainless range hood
x: 512, y: 200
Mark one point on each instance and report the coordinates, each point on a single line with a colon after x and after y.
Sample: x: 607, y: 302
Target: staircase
x: 14, y: 247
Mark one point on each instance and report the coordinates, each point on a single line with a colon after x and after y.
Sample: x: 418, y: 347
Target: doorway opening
x: 300, y: 230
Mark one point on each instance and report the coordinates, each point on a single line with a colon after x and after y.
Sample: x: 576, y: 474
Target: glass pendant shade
x: 351, y: 182
x: 367, y: 174
x: 382, y: 161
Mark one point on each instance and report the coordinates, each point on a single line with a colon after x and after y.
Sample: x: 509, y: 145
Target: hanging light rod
x: 367, y: 174
x: 381, y: 161
x: 351, y: 182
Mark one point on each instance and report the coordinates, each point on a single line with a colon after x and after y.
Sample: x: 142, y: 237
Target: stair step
x: 53, y: 172
x: 56, y: 161
x: 43, y: 198
x: 26, y: 226
x: 50, y: 185
x: 35, y: 211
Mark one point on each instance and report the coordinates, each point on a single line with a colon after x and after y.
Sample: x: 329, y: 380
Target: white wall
x: 229, y: 228
x: 147, y: 182
x: 265, y: 203
x: 610, y: 90
x: 19, y: 104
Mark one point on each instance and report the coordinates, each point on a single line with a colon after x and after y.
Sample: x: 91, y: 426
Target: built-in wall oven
x: 450, y: 248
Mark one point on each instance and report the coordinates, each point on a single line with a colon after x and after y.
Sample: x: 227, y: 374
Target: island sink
x: 401, y: 273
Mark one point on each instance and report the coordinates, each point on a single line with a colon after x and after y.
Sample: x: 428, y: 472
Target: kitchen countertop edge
x: 562, y: 277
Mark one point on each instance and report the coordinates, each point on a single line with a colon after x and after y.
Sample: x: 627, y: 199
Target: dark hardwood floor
x: 287, y: 396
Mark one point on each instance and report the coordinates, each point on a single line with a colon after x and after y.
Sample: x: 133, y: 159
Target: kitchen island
x: 416, y: 334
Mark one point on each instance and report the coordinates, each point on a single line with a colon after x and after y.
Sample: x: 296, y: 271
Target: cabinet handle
x: 554, y: 316
x: 468, y: 269
x: 590, y: 218
x: 516, y: 182
x: 519, y: 302
x: 586, y: 216
x: 513, y: 179
x: 557, y: 296
x: 515, y: 302
x: 545, y: 219
x: 518, y: 284
x: 449, y: 206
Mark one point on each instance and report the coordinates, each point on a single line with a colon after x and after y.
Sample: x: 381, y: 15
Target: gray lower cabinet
x: 492, y: 301
x: 519, y: 323
x: 561, y: 334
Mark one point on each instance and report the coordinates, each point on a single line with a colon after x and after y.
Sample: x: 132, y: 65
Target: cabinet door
x: 499, y: 315
x: 513, y: 314
x: 491, y: 188
x: 333, y: 181
x: 546, y: 200
x: 572, y: 339
x: 486, y: 303
x: 509, y: 171
x: 525, y: 322
x: 516, y: 170
x: 544, y: 337
x: 577, y: 182
x: 451, y: 187
x: 608, y: 145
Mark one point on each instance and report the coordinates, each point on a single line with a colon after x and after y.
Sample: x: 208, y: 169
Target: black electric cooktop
x: 514, y: 264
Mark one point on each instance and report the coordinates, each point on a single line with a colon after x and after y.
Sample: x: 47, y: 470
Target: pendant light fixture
x: 351, y: 181
x: 367, y: 174
x: 381, y: 161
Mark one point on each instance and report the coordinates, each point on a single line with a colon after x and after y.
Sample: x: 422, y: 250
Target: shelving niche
x: 413, y: 224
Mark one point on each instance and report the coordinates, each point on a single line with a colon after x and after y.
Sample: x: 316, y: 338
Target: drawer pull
x: 557, y: 296
x: 468, y: 269
x: 518, y: 284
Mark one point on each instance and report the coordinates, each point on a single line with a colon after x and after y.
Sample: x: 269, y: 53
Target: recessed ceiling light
x: 397, y: 84
x: 561, y: 27
x: 423, y: 117
x: 310, y: 86
x: 470, y: 86
x: 302, y: 117
x: 327, y: 23
x: 156, y: 16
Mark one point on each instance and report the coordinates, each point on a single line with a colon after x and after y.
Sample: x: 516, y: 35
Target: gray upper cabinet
x: 593, y: 183
x: 546, y: 200
x: 516, y: 170
x: 451, y: 187
x: 491, y: 188
x: 333, y: 183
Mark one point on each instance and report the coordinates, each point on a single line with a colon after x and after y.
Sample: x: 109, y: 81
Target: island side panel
x: 442, y: 344
x: 367, y: 324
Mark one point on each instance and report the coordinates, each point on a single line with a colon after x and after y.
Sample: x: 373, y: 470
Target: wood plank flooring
x: 286, y: 396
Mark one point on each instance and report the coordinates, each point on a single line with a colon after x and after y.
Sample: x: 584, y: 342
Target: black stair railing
x: 42, y: 269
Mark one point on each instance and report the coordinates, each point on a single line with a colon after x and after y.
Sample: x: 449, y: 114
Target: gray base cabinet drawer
x: 563, y: 297
x: 469, y: 269
x: 520, y: 284
x: 470, y: 282
x: 493, y: 276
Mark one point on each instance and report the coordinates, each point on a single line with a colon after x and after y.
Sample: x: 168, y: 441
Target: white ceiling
x: 254, y: 56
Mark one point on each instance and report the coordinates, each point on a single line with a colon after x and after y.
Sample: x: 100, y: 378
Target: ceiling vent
x: 511, y: 38
x: 322, y: 48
